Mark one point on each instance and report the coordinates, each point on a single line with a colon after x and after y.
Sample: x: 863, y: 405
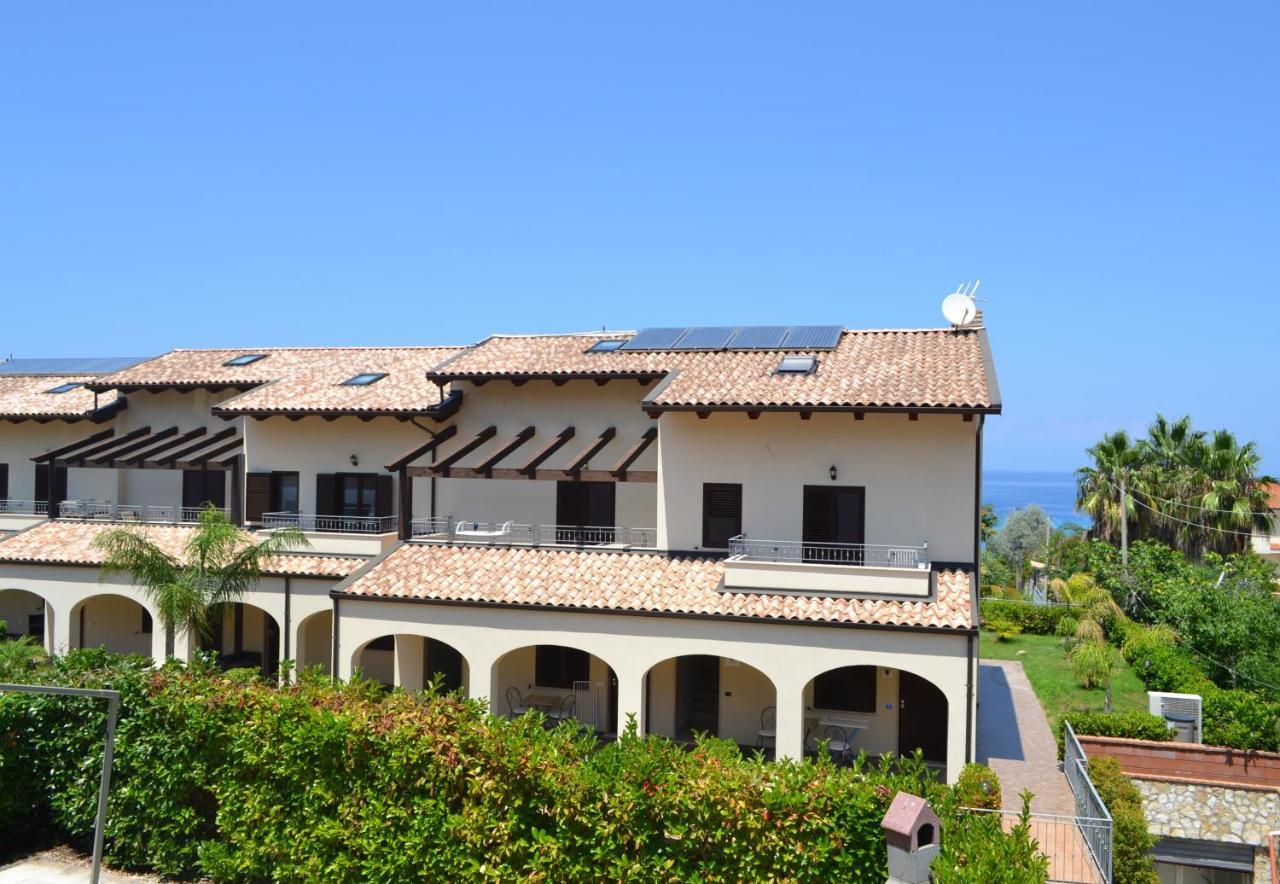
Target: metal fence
x: 1064, y: 841
x: 24, y: 507
x: 335, y: 524
x: 520, y: 534
x: 1088, y: 803
x: 878, y: 555
x: 105, y: 510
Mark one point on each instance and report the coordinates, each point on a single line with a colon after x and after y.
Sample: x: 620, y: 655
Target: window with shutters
x: 585, y: 512
x: 559, y: 667
x: 848, y: 689
x: 4, y: 481
x: 202, y: 488
x: 721, y: 514
x: 59, y: 483
x: 285, y: 497
x: 834, y: 523
x: 354, y: 494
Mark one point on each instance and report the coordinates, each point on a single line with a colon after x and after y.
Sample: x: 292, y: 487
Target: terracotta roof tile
x: 29, y: 396
x: 1273, y: 496
x: 298, y: 379
x: 925, y: 368
x: 71, y: 543
x: 632, y: 582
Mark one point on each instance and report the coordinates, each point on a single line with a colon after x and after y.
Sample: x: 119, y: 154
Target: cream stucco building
x: 768, y: 534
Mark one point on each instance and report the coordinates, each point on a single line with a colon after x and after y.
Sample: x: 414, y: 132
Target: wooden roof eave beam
x: 442, y: 468
x: 79, y: 458
x: 530, y: 469
x: 109, y: 457
x: 590, y: 451
x: 139, y: 457
x: 486, y: 468
x: 426, y: 448
x: 202, y: 458
x: 619, y: 470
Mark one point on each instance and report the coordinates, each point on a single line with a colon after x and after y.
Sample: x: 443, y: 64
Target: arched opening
x: 119, y: 624
x: 875, y: 709
x: 24, y: 613
x: 561, y: 682
x: 699, y: 693
x: 314, y: 646
x: 412, y: 662
x: 244, y: 637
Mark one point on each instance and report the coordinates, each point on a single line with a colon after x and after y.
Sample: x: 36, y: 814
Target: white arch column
x: 58, y: 629
x: 789, y: 726
x: 410, y: 659
x: 631, y: 681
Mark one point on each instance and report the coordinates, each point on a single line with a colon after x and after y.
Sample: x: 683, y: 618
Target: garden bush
x: 1033, y: 619
x: 978, y: 786
x: 1132, y: 841
x: 1135, y: 725
x: 233, y: 779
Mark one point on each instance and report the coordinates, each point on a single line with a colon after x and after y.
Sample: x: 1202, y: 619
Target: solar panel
x: 705, y: 338
x: 813, y: 337
x: 654, y: 339
x: 89, y: 365
x: 759, y: 337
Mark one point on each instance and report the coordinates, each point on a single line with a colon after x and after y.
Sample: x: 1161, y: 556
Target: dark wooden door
x: 922, y: 718
x: 585, y: 512
x: 697, y: 695
x: 203, y: 487
x: 834, y: 514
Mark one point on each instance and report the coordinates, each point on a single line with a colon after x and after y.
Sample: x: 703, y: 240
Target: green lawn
x: 1045, y: 662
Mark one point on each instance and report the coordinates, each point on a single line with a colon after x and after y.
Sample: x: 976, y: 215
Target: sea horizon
x: 1054, y: 491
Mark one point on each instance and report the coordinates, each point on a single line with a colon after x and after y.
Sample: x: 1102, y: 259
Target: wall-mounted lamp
x: 832, y: 472
x: 355, y: 461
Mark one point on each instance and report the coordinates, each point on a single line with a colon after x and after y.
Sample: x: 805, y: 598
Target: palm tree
x: 219, y: 563
x: 1115, y: 461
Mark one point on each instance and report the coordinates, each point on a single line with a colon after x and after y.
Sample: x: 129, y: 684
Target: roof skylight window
x: 244, y: 359
x: 797, y: 365
x: 65, y: 388
x: 605, y: 346
x: 364, y: 380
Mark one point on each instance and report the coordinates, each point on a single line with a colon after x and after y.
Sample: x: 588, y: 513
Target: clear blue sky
x: 275, y: 173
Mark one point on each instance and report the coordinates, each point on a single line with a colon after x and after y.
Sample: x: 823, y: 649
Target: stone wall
x: 1214, y: 813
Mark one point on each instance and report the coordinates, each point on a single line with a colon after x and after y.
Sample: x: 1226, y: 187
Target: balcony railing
x: 872, y: 555
x: 24, y: 507
x: 519, y: 534
x: 106, y: 511
x: 333, y: 524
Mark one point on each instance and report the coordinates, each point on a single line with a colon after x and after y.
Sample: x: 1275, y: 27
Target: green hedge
x: 1034, y: 619
x: 1132, y: 841
x: 1135, y: 725
x: 222, y: 776
x: 1236, y: 718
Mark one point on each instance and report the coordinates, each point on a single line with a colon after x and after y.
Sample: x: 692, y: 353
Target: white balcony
x: 445, y: 529
x: 847, y: 569
x: 18, y: 514
x: 106, y: 511
x: 339, y: 535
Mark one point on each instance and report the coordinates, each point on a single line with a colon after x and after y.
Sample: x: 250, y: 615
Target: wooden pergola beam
x: 619, y: 470
x: 481, y: 437
x: 108, y: 458
x: 576, y: 465
x: 426, y: 448
x: 530, y: 469
x: 80, y: 457
x: 67, y: 449
x: 522, y: 437
x: 172, y: 457
x: 167, y: 445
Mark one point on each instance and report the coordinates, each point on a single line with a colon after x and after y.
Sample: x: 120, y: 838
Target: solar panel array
x: 747, y: 337
x: 88, y: 365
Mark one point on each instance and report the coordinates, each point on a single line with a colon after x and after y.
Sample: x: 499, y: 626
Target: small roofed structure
x: 913, y: 835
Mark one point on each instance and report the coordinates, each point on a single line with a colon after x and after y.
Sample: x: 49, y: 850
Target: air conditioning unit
x: 1183, y: 713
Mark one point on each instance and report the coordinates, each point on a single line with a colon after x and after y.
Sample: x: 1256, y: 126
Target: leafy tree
x: 1094, y: 663
x: 1115, y: 460
x: 987, y: 522
x: 1023, y: 536
x: 219, y: 563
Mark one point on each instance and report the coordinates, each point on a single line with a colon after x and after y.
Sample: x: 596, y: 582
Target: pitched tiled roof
x: 633, y: 583
x: 71, y: 543
x: 28, y: 396
x: 1273, y: 496
x: 922, y: 368
x: 297, y: 379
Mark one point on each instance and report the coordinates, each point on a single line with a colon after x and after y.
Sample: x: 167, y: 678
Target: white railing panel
x: 873, y: 555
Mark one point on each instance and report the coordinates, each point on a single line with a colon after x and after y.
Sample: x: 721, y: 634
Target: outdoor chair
x: 838, y: 744
x: 515, y: 702
x: 768, y: 732
x: 562, y: 711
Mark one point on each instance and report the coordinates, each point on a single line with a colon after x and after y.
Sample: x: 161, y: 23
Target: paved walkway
x: 1015, y: 741
x: 62, y: 866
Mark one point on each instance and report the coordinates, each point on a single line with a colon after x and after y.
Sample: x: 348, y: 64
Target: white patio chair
x: 838, y: 744
x: 768, y: 733
x: 563, y: 711
x: 515, y: 702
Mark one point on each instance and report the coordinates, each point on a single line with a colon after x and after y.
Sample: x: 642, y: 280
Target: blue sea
x: 1055, y: 492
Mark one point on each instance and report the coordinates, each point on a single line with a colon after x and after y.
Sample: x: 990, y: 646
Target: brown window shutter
x: 384, y: 496
x: 4, y: 481
x: 326, y: 494
x: 721, y: 514
x: 257, y: 498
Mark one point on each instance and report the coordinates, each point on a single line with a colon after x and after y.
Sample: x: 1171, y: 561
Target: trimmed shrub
x: 1132, y: 841
x: 978, y: 786
x: 1135, y: 725
x: 227, y: 777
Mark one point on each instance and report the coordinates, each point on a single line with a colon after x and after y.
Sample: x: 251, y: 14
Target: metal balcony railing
x: 24, y: 507
x: 334, y: 524
x: 106, y: 511
x: 521, y: 534
x: 872, y: 555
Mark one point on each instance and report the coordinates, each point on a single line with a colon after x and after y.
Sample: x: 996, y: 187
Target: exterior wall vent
x: 1183, y: 713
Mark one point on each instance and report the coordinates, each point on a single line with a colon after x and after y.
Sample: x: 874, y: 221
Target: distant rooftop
x: 87, y: 365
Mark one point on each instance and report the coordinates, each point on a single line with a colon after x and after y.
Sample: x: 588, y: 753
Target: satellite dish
x: 959, y: 308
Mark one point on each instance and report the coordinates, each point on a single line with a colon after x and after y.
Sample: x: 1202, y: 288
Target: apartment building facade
x: 768, y: 534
